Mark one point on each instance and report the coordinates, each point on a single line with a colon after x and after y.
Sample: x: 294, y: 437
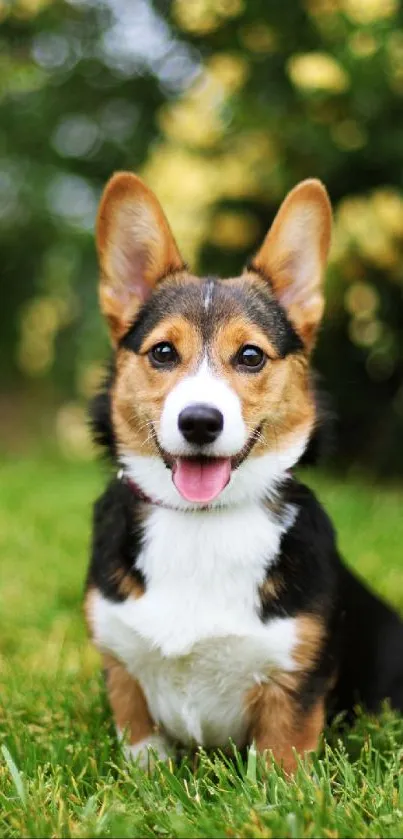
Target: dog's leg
x: 132, y: 717
x: 279, y: 725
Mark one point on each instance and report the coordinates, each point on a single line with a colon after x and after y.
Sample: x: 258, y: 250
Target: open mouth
x: 201, y: 479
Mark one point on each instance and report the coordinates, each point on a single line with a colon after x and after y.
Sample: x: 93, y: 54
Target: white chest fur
x: 194, y: 640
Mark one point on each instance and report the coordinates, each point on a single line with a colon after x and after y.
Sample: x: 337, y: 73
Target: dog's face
x: 211, y: 400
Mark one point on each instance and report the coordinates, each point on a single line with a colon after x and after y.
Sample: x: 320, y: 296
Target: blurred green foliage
x: 223, y: 105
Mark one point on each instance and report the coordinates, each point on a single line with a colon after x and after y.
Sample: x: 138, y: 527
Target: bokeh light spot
x: 317, y: 71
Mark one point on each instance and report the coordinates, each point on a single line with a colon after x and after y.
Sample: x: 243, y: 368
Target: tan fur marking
x: 310, y: 632
x: 126, y: 585
x: 271, y: 588
x: 237, y: 332
x: 88, y: 598
x: 128, y: 702
x: 182, y: 334
x: 279, y: 726
x: 277, y: 722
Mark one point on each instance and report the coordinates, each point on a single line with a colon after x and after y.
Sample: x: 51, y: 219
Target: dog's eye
x: 163, y: 355
x: 250, y: 358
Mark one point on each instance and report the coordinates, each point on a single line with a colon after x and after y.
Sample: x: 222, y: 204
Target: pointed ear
x: 293, y: 255
x: 135, y: 247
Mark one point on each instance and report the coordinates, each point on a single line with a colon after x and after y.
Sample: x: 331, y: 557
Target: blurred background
x: 222, y: 106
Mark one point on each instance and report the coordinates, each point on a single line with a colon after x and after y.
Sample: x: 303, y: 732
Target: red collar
x: 137, y: 491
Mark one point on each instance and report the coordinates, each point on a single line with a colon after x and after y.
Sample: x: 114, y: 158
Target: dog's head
x: 211, y: 401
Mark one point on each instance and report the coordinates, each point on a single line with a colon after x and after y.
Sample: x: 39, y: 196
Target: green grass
x: 61, y: 771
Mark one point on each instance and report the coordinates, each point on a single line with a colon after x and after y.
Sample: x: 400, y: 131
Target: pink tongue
x: 201, y: 481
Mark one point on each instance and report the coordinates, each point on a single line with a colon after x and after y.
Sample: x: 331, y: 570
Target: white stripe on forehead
x: 208, y: 295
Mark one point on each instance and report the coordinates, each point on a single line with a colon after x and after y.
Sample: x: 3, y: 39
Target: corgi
x: 215, y: 592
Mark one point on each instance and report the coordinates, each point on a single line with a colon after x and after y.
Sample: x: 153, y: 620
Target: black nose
x: 200, y: 424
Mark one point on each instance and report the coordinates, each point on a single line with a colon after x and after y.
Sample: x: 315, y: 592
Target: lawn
x: 61, y: 772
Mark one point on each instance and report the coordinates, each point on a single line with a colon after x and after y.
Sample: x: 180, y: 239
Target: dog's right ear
x: 135, y: 247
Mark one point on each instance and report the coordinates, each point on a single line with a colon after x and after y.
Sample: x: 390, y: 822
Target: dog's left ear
x: 135, y: 247
x: 293, y: 256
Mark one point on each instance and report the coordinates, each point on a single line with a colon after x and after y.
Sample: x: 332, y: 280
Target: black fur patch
x: 100, y: 416
x: 308, y: 580
x: 189, y: 300
x: 116, y: 541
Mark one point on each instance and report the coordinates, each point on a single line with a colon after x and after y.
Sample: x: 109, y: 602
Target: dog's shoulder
x: 116, y: 540
x: 306, y: 577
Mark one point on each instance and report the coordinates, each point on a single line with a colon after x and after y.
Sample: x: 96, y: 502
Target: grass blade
x: 16, y: 775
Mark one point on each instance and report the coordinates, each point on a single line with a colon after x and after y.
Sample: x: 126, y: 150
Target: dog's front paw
x: 147, y: 751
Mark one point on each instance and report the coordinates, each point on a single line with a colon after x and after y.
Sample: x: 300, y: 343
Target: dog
x: 215, y: 592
